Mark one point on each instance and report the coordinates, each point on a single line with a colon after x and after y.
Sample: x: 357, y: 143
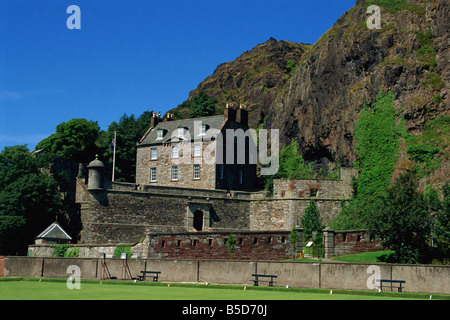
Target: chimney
x: 154, y: 120
x: 169, y: 117
x: 242, y: 115
x: 230, y: 113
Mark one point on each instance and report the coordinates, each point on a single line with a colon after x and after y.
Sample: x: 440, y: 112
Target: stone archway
x: 198, y: 217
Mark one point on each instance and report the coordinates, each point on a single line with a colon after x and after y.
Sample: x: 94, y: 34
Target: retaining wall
x: 419, y: 278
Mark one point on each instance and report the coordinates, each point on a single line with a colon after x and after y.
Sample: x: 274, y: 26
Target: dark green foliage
x: 74, y: 140
x: 291, y: 165
x: 311, y: 221
x: 392, y: 6
x: 401, y: 219
x: 29, y: 199
x: 290, y: 65
x: 377, y: 142
x: 202, y: 105
x: 422, y: 152
x: 59, y: 250
x: 122, y: 249
x: 231, y: 245
x: 129, y: 131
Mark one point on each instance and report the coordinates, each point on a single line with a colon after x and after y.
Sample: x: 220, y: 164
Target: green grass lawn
x: 366, y: 257
x: 52, y: 289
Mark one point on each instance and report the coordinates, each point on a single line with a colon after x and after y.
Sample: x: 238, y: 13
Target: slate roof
x: 54, y: 231
x: 169, y: 127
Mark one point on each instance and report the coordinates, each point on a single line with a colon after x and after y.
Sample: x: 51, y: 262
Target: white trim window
x: 160, y: 134
x: 180, y: 132
x: 154, y: 153
x: 203, y: 129
x: 175, y: 152
x: 174, y: 173
x: 197, y: 149
x: 153, y: 174
x: 196, y: 172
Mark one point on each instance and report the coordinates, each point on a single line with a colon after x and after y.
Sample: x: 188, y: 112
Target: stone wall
x: 249, y: 246
x: 127, y: 216
x: 126, y: 212
x: 191, y: 245
x: 338, y: 243
x: 325, y: 189
x: 419, y: 278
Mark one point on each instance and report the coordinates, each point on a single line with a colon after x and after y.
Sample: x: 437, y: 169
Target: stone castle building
x: 201, y: 194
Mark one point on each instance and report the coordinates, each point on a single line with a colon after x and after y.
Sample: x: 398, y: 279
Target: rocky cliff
x: 350, y: 64
x: 315, y: 92
x: 255, y: 78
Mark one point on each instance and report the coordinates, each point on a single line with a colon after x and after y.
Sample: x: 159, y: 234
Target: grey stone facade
x: 193, y: 153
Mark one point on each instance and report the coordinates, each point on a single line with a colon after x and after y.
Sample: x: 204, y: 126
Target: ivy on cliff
x: 377, y: 142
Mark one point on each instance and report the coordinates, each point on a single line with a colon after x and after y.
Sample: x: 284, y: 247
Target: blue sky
x: 129, y: 56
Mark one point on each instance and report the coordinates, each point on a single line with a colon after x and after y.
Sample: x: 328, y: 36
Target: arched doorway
x: 198, y: 220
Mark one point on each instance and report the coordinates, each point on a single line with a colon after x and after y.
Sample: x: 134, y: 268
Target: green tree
x: 29, y: 199
x: 202, y: 105
x: 441, y: 224
x: 129, y: 131
x: 400, y: 218
x: 73, y: 140
x: 231, y: 245
x: 311, y: 221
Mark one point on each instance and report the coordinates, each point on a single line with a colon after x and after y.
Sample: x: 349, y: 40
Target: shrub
x: 59, y: 250
x: 122, y: 249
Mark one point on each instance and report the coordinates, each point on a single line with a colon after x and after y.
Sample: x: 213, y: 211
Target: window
x: 196, y: 171
x: 241, y: 176
x: 175, y: 153
x: 180, y: 132
x: 178, y: 243
x: 153, y: 175
x: 197, y: 149
x: 154, y: 153
x: 221, y: 171
x: 203, y: 130
x: 313, y: 192
x: 174, y: 172
x: 160, y: 133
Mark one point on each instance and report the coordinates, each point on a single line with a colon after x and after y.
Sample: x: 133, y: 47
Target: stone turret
x: 95, y: 179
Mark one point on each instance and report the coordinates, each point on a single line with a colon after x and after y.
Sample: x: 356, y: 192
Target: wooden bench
x: 400, y: 282
x: 257, y: 280
x: 145, y: 273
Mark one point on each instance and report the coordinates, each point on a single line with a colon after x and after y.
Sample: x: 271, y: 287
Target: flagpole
x: 114, y: 156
